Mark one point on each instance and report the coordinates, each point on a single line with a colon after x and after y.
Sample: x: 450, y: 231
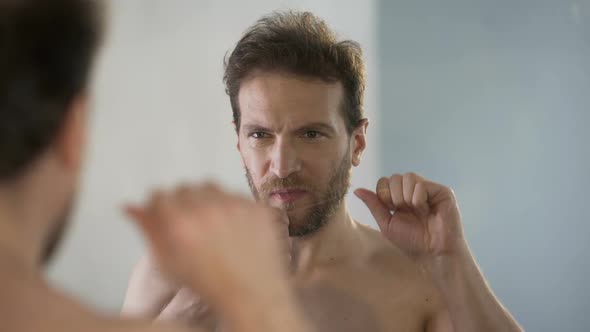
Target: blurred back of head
x: 46, y: 54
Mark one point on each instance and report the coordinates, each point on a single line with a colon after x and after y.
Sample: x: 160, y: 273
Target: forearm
x: 148, y: 291
x: 469, y: 300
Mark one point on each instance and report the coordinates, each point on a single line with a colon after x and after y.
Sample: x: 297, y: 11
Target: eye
x: 312, y: 134
x: 259, y: 134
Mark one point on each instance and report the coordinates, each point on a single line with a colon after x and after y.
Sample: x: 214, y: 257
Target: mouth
x: 287, y: 195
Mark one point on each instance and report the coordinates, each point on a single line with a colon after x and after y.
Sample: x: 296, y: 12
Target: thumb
x: 141, y: 218
x: 148, y: 226
x: 280, y: 216
x: 137, y: 214
x: 379, y: 211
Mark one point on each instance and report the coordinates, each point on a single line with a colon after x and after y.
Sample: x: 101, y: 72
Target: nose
x: 284, y: 159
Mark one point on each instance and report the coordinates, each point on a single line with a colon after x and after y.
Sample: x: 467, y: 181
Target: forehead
x: 278, y: 98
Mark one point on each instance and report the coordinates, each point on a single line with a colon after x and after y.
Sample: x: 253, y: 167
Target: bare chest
x: 362, y: 301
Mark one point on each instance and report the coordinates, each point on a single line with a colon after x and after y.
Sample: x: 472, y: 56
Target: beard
x: 307, y: 218
x: 56, y: 234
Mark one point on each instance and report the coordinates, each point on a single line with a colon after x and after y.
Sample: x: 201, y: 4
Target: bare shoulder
x: 382, y: 252
x: 398, y: 270
x: 28, y: 303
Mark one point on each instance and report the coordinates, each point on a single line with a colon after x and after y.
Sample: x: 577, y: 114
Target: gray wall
x: 492, y: 98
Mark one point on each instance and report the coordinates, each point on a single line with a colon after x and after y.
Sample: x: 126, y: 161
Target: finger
x: 211, y: 186
x: 162, y: 221
x: 134, y: 212
x: 183, y: 196
x: 420, y: 199
x: 384, y: 193
x: 155, y: 196
x: 148, y: 226
x: 153, y: 206
x: 408, y: 186
x: 378, y: 209
x: 437, y: 193
x: 396, y: 189
x: 164, y: 208
x: 210, y: 189
x: 140, y: 216
x: 280, y: 222
x: 205, y: 194
x: 279, y: 215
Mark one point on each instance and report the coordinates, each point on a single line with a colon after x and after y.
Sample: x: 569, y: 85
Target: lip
x: 288, y: 195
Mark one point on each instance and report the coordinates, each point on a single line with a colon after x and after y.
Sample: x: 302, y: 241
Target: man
x: 47, y: 50
x: 297, y: 98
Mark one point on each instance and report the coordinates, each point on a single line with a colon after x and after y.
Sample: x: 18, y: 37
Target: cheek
x: 255, y: 161
x: 325, y: 160
x: 320, y: 170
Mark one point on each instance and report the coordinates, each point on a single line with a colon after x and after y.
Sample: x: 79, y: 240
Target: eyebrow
x: 318, y: 125
x: 314, y: 125
x: 253, y: 127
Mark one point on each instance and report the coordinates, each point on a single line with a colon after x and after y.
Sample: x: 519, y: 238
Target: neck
x: 334, y: 242
x: 25, y: 208
x: 18, y: 246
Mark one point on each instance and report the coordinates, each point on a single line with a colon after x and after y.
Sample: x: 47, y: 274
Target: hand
x: 419, y: 216
x: 151, y: 295
x: 224, y: 246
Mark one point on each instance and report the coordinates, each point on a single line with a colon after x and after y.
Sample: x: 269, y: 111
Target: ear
x: 71, y: 140
x: 359, y: 141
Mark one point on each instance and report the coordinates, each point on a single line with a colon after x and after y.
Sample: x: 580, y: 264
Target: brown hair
x: 302, y: 44
x: 47, y: 53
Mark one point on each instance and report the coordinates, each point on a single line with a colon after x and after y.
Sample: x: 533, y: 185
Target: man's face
x: 295, y: 147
